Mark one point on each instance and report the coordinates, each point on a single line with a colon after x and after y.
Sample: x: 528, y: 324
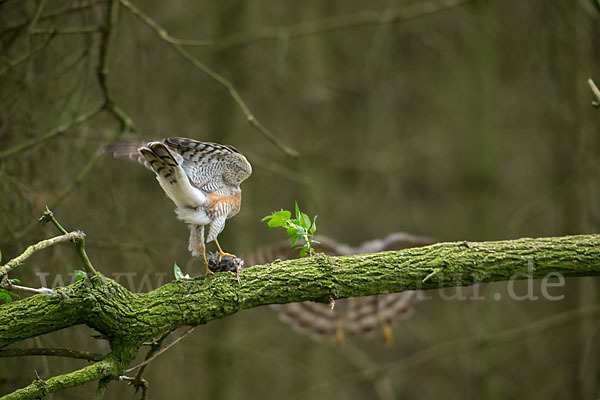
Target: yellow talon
x: 221, y: 252
x: 208, y: 271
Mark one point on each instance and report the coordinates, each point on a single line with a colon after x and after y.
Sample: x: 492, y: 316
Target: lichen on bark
x: 128, y: 319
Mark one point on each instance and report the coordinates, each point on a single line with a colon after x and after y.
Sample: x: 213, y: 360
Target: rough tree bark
x: 128, y: 319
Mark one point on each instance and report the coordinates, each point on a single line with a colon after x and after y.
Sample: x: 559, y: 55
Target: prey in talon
x: 218, y: 263
x: 203, y: 180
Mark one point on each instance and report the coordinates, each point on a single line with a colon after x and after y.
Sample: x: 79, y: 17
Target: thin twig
x: 143, y: 384
x: 51, y: 134
x: 215, y: 77
x: 84, y: 172
x: 53, y: 352
x: 158, y: 353
x: 79, y: 241
x: 42, y: 290
x: 68, y: 31
x: 278, y: 169
x: 88, y: 167
x: 108, y: 31
x: 154, y: 348
x: 80, y: 248
x: 439, y: 350
x: 336, y: 23
x: 17, y: 261
x: 36, y: 16
x: 24, y: 57
x: 596, y: 92
x: 48, y: 216
x: 58, y: 13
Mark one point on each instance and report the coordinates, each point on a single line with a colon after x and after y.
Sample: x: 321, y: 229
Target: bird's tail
x: 162, y: 161
x: 128, y: 150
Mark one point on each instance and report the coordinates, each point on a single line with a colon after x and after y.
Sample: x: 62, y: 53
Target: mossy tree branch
x: 128, y: 320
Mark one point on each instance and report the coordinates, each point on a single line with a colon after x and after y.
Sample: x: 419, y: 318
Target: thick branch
x: 107, y: 368
x: 104, y: 305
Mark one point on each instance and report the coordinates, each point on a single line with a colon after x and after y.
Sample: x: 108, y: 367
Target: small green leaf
x: 297, y: 229
x: 178, y: 274
x: 305, y: 221
x: 278, y: 218
x: 291, y: 231
x: 295, y: 239
x: 313, y: 227
x: 79, y: 274
x: 7, y: 296
x: 15, y: 281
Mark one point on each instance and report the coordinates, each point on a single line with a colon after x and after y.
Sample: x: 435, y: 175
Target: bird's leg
x: 221, y: 252
x: 208, y: 271
x: 197, y: 244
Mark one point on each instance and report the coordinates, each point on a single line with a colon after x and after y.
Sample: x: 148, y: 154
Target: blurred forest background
x: 452, y: 119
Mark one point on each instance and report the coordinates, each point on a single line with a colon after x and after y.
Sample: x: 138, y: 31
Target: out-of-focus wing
x: 354, y: 316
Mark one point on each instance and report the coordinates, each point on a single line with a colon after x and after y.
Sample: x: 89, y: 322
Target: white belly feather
x: 190, y: 201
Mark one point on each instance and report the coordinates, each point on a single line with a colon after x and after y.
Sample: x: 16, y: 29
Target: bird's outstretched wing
x: 210, y: 166
x: 354, y: 315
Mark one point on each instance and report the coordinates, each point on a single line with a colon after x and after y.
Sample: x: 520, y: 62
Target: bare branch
x: 24, y: 57
x: 52, y: 352
x: 595, y: 91
x: 11, y: 286
x: 454, y: 346
x: 79, y: 241
x: 215, y: 77
x: 54, y: 14
x: 154, y: 348
x: 141, y: 384
x: 340, y: 22
x: 36, y: 16
x: 158, y: 353
x: 102, y: 386
x: 17, y: 261
x: 40, y: 388
x: 50, y: 134
x: 68, y: 31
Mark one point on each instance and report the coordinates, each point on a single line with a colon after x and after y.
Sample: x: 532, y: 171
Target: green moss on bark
x: 128, y: 319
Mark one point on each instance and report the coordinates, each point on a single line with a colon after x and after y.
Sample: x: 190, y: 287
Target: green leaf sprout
x: 7, y: 296
x: 299, y: 228
x: 79, y: 274
x: 178, y: 274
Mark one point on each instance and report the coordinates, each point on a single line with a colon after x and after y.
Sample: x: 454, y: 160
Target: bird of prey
x: 357, y: 315
x: 202, y: 178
